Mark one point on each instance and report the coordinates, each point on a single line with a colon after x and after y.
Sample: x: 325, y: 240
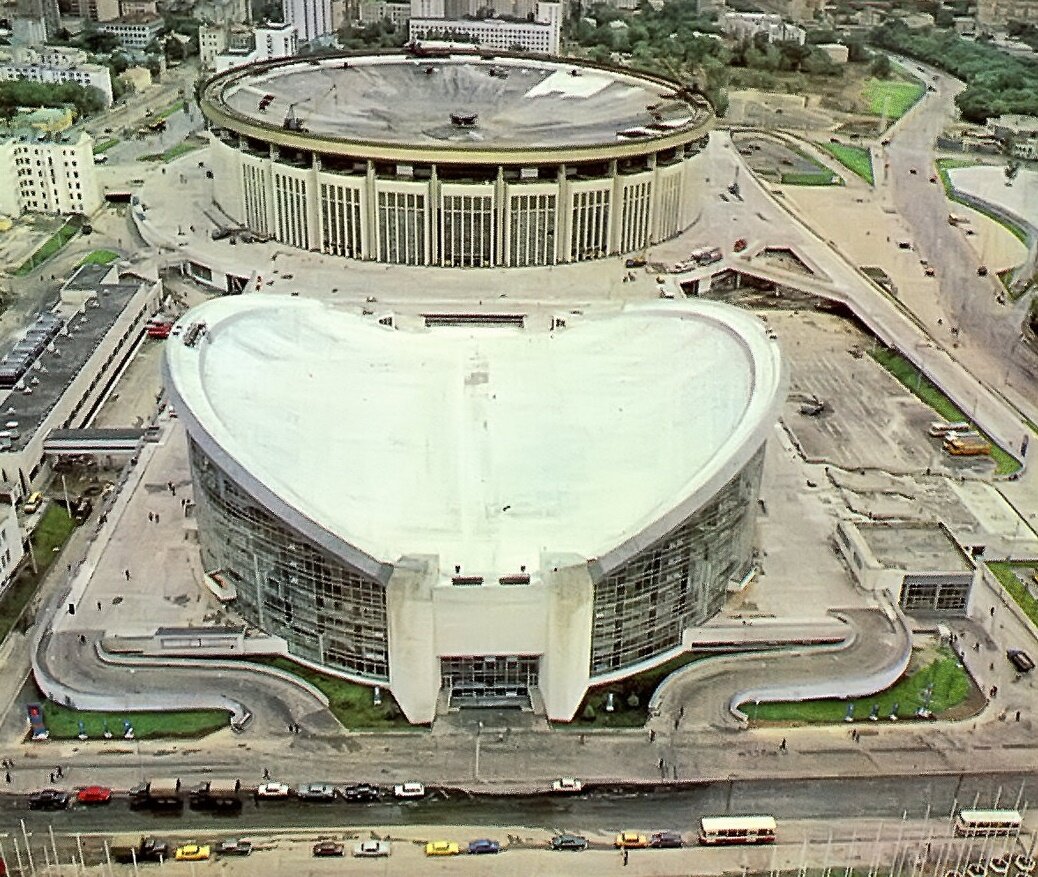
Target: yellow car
x: 630, y: 840
x: 192, y: 853
x: 442, y: 848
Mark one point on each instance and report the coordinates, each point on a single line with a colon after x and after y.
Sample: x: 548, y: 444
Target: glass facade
x: 641, y: 608
x: 489, y: 677
x: 936, y: 594
x: 326, y: 611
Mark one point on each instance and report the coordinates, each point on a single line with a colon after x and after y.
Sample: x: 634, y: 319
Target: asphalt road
x: 601, y: 810
x: 971, y: 300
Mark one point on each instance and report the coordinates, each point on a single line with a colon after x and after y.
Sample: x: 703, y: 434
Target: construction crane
x: 292, y: 122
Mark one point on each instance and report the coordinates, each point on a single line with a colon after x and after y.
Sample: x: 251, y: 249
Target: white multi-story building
x: 133, y: 33
x: 272, y: 40
x: 44, y: 174
x: 428, y: 9
x: 212, y: 40
x: 11, y: 551
x: 540, y: 36
x: 312, y: 18
x: 747, y: 25
x: 60, y: 71
x: 379, y: 10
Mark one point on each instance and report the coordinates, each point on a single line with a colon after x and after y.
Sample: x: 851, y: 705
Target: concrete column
x: 414, y: 673
x: 563, y: 216
x: 500, y: 217
x: 615, y: 226
x: 566, y: 662
x: 432, y: 220
x: 370, y: 218
x: 313, y: 204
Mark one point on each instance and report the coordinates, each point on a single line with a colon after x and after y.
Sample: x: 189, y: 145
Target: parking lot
x: 771, y: 159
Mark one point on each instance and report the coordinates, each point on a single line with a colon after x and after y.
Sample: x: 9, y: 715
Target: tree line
x: 85, y: 99
x: 996, y: 82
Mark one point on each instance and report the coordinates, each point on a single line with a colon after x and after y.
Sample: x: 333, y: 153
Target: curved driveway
x: 870, y: 660
x: 151, y: 685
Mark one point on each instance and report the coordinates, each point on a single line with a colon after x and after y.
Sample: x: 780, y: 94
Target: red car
x: 94, y: 795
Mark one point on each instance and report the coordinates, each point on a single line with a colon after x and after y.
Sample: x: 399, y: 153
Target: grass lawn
x: 53, y: 531
x: 1003, y: 571
x: 854, y: 158
x: 170, y: 110
x: 815, y: 178
x: 50, y: 247
x: 891, y: 97
x: 171, y: 153
x: 63, y: 723
x: 99, y: 257
x: 912, y: 379
x: 105, y: 145
x: 625, y: 715
x: 349, y: 702
x: 951, y: 686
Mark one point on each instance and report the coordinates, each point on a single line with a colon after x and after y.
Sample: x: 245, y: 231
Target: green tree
x: 881, y: 67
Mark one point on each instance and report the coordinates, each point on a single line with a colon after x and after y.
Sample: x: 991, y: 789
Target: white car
x: 409, y: 790
x: 567, y: 786
x: 372, y: 849
x: 273, y: 791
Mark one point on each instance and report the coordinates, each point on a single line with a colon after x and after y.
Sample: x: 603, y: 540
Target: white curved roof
x: 482, y: 446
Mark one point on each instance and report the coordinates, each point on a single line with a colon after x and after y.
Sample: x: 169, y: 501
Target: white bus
x: 736, y: 830
x: 970, y: 823
x: 939, y: 429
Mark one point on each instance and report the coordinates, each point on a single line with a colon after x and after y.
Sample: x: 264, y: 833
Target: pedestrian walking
x: 126, y: 573
x: 156, y: 517
x: 677, y: 722
x: 7, y: 777
x: 581, y: 739
x: 99, y: 602
x: 151, y: 517
x: 626, y: 853
x: 681, y: 713
x: 652, y: 735
x: 782, y: 745
x: 659, y: 764
x: 52, y: 777
x: 1018, y: 715
x: 266, y: 773
x: 173, y: 490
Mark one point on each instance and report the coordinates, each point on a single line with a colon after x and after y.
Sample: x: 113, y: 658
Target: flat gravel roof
x: 483, y: 445
x: 513, y: 102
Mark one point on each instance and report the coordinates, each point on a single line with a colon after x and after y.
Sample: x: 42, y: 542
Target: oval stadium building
x: 458, y: 160
x: 471, y: 514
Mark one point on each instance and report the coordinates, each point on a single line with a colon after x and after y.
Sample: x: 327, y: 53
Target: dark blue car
x: 478, y: 847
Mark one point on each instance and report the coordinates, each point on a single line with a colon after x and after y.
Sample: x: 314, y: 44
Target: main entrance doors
x: 489, y: 680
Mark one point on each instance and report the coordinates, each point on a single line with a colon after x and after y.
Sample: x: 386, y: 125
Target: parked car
x: 273, y: 791
x: 33, y: 502
x: 569, y: 842
x: 630, y: 840
x: 94, y: 795
x: 362, y: 793
x: 567, y: 786
x: 442, y: 848
x: 234, y: 847
x: 484, y: 846
x: 409, y: 790
x: 666, y: 840
x: 1020, y: 659
x: 329, y: 848
x: 372, y: 849
x: 49, y: 799
x: 316, y: 792
x: 192, y: 853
